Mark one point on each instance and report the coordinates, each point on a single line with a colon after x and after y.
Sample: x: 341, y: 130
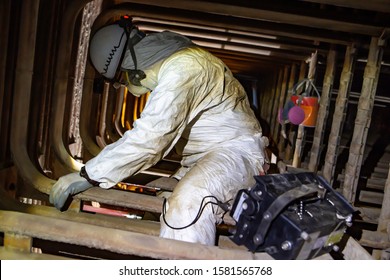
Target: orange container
x: 309, y: 105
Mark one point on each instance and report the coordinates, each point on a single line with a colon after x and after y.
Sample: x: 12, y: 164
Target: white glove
x: 67, y: 185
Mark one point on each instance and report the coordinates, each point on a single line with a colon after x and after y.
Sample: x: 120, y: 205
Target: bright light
x: 232, y: 48
x: 227, y: 35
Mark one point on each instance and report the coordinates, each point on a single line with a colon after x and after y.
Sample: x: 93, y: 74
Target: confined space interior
x: 56, y: 114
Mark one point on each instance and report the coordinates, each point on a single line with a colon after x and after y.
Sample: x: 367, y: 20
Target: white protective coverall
x: 197, y: 106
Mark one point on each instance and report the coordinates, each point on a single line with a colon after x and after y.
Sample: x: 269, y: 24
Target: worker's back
x: 219, y: 111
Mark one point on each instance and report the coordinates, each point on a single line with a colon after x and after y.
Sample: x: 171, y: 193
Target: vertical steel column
x: 363, y: 118
x: 301, y: 129
x: 291, y: 133
x: 339, y: 115
x: 384, y: 217
x: 275, y: 100
x: 63, y: 161
x: 322, y: 116
x: 5, y: 14
x: 22, y: 97
x: 286, y: 151
x: 262, y: 94
x: 270, y: 99
x: 282, y: 98
x: 90, y: 12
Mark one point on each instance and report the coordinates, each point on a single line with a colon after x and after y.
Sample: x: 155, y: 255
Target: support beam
x: 323, y: 110
x: 12, y: 254
x: 270, y: 100
x: 141, y: 226
x: 375, y: 239
x: 275, y: 101
x: 363, y: 119
x: 340, y: 113
x: 373, y: 5
x: 118, y: 241
x: 64, y: 162
x: 122, y: 198
x: 354, y: 251
x: 5, y: 14
x: 267, y: 12
x: 291, y: 130
x: 19, y: 242
x: 22, y: 96
x: 280, y: 102
x: 283, y: 144
x: 77, y: 122
x: 384, y: 216
x: 299, y: 143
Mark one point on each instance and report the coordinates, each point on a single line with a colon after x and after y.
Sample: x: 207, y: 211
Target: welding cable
x: 225, y: 206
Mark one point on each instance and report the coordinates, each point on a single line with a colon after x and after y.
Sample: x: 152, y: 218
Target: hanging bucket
x: 308, y: 104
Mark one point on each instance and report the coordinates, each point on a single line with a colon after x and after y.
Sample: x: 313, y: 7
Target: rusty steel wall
x: 90, y: 12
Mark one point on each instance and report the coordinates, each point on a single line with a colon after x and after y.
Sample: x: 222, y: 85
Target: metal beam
x: 382, y: 6
x: 114, y: 240
x: 229, y: 22
x: 363, y: 119
x: 265, y: 12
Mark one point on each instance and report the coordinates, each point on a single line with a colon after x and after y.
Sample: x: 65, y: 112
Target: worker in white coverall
x: 196, y: 106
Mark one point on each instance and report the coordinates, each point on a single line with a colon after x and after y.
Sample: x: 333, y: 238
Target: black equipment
x: 290, y: 216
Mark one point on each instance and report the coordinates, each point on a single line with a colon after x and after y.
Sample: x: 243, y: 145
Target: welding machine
x: 290, y: 216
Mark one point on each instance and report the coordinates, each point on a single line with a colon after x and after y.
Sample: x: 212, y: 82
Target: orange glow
x: 131, y: 108
x: 136, y: 188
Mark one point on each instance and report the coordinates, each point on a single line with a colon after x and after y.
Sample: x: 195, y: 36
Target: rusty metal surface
x: 114, y: 240
x: 12, y: 254
x: 90, y: 11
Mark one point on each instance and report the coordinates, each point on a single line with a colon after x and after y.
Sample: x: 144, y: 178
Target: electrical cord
x: 225, y: 206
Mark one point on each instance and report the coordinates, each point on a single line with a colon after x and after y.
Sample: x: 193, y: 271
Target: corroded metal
x: 22, y: 96
x: 90, y: 12
x: 322, y: 117
x: 339, y: 114
x: 384, y: 217
x: 114, y: 240
x: 363, y: 119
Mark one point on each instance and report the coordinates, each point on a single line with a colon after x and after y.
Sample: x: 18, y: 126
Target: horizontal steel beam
x: 266, y: 13
x: 114, y: 240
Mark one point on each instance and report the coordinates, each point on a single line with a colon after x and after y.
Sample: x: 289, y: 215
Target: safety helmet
x: 108, y: 44
x: 106, y: 49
